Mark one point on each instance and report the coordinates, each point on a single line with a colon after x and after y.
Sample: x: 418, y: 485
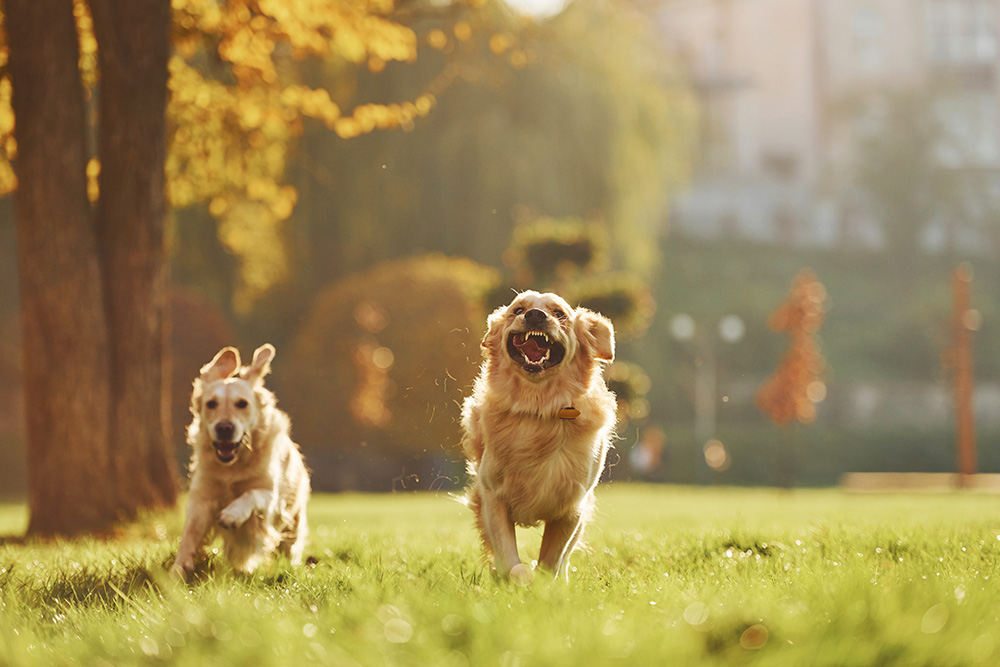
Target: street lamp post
x: 730, y: 329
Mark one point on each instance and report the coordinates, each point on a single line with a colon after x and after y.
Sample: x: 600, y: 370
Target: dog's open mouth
x: 534, y: 350
x: 226, y: 451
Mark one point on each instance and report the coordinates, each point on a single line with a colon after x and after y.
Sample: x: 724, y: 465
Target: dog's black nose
x: 224, y: 431
x: 535, y: 317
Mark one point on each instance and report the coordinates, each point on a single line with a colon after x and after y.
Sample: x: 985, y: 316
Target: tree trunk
x: 133, y: 49
x: 66, y: 381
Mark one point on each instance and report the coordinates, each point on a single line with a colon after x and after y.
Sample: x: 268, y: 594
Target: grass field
x: 677, y: 576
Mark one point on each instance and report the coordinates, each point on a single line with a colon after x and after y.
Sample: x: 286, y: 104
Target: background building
x: 791, y: 89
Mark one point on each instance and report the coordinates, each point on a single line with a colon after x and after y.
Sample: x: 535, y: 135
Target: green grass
x: 672, y: 576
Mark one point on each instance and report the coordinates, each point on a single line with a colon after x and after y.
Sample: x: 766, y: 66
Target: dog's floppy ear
x: 494, y: 329
x: 261, y: 364
x: 222, y: 366
x: 596, y: 332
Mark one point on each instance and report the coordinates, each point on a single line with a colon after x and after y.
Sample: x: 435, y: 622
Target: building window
x: 971, y: 136
x: 869, y: 30
x: 961, y: 32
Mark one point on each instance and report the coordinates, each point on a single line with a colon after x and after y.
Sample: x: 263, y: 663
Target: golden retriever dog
x: 538, y: 425
x: 247, y: 476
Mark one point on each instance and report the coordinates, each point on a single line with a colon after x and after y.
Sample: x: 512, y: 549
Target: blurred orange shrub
x: 797, y: 385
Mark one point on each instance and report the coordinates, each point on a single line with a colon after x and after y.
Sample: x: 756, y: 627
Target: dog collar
x: 568, y: 413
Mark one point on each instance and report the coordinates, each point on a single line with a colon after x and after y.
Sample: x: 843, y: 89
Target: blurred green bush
x: 380, y: 364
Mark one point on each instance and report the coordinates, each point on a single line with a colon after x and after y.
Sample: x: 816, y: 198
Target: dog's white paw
x: 522, y: 574
x: 235, y: 514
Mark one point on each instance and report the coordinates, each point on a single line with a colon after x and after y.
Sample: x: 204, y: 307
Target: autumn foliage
x: 797, y: 385
x: 238, y: 103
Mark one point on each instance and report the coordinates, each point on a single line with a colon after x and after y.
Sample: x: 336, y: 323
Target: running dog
x: 247, y: 476
x: 538, y: 426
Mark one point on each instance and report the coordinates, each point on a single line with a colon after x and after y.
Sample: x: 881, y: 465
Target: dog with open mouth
x: 247, y: 475
x: 538, y: 426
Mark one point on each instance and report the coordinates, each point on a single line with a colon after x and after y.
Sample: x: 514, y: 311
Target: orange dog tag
x: 569, y: 413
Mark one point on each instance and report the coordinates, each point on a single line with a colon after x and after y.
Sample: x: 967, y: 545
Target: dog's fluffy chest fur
x: 558, y: 460
x: 232, y: 483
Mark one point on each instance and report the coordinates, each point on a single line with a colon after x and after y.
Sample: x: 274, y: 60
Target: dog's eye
x: 241, y: 404
x: 560, y: 314
x: 518, y: 310
x: 212, y: 404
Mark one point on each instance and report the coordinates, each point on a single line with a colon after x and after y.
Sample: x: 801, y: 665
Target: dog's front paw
x: 235, y: 514
x: 181, y: 568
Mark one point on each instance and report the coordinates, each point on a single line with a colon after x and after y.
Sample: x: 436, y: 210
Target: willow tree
x: 582, y: 115
x: 212, y: 122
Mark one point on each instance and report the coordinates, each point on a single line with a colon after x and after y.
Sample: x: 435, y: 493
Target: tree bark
x: 66, y: 380
x: 133, y: 50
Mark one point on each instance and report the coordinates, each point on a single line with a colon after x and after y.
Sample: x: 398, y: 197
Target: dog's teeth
x: 529, y: 360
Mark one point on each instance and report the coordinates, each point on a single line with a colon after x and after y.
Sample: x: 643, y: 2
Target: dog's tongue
x: 530, y: 348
